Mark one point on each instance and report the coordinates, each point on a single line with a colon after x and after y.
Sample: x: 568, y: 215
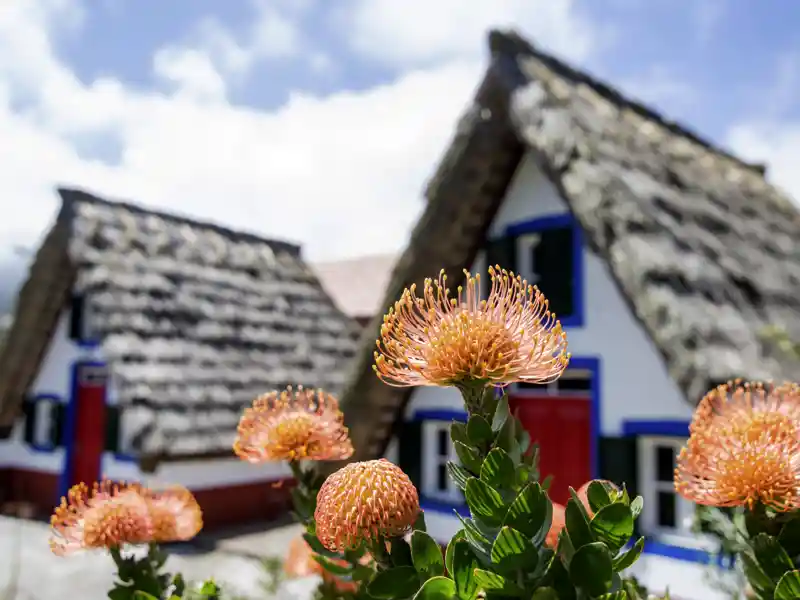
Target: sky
x: 319, y: 121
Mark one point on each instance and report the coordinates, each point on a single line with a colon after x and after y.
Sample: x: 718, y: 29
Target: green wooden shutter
x: 409, y: 450
x: 501, y: 251
x: 29, y: 416
x: 619, y: 462
x: 553, y: 261
x: 59, y: 424
x: 112, y: 427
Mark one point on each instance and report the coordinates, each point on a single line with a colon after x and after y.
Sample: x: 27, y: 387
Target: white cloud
x: 421, y: 32
x: 341, y: 174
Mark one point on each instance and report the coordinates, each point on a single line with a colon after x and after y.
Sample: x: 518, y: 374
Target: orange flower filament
x: 175, y: 513
x: 365, y: 501
x: 107, y: 516
x: 440, y: 340
x: 293, y: 425
x: 743, y: 448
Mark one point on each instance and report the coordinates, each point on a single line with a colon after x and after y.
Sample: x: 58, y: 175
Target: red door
x: 89, y: 432
x: 561, y: 426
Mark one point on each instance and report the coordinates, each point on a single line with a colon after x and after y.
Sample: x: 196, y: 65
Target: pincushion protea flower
x: 365, y: 501
x: 440, y: 340
x: 108, y: 515
x: 743, y: 448
x: 175, y: 513
x: 293, y: 425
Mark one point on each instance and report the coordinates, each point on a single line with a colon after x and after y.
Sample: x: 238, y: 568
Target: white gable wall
x: 635, y: 384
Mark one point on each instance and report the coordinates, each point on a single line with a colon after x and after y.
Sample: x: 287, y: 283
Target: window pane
x: 666, y: 509
x: 444, y: 443
x: 441, y: 478
x: 552, y: 266
x: 665, y: 463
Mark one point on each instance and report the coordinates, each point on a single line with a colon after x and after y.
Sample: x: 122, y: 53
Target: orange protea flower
x: 107, y: 516
x: 743, y: 448
x: 440, y: 340
x: 558, y: 523
x: 175, y: 513
x: 293, y: 425
x: 365, y: 501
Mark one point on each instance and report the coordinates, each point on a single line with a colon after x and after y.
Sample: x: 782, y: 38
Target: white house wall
x: 55, y: 377
x: 635, y: 384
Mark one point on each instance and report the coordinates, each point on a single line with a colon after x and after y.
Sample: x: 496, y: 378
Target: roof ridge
x: 511, y: 42
x: 74, y: 195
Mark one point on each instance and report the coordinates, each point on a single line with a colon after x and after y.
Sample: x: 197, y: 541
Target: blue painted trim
x: 69, y: 427
x: 653, y: 427
x: 577, y: 319
x: 52, y: 399
x: 692, y: 555
x: 87, y: 344
x: 440, y: 415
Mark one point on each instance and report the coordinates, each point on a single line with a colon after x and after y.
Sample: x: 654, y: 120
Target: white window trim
x: 682, y: 535
x: 125, y: 433
x: 87, y: 322
x: 44, y: 413
x: 431, y: 459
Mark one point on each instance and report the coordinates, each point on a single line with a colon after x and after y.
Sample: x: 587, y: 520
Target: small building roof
x: 194, y: 320
x: 699, y: 243
x: 357, y: 285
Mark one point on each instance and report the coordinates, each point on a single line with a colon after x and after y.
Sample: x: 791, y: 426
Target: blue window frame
x: 549, y: 254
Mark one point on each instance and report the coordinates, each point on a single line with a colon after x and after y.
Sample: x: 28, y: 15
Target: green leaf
x: 618, y: 595
x: 464, y: 564
x: 591, y: 569
x: 613, y: 524
x: 401, y: 552
x: 419, y: 524
x: 788, y: 586
x: 501, y: 414
x: 479, y: 431
x: 637, y: 504
x: 545, y: 593
x: 458, y: 474
x: 577, y: 521
x: 332, y: 567
x: 497, y: 583
x: 484, y: 501
x: 469, y: 457
x: 512, y: 550
x: 140, y: 595
x: 179, y: 585
x: 630, y: 556
x: 771, y: 556
x: 399, y: 582
x: 448, y: 555
x: 507, y: 440
x: 302, y: 503
x: 120, y: 593
x: 315, y: 545
x: 789, y: 537
x: 437, y: 588
x: 458, y: 433
x: 528, y: 512
x: 426, y: 555
x: 755, y: 575
x: 498, y: 469
x: 598, y: 494
x: 475, y: 537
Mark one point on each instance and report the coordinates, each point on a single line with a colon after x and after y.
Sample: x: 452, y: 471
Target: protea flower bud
x: 365, y: 501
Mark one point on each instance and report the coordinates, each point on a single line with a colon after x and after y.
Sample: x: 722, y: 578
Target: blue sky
x: 319, y: 121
